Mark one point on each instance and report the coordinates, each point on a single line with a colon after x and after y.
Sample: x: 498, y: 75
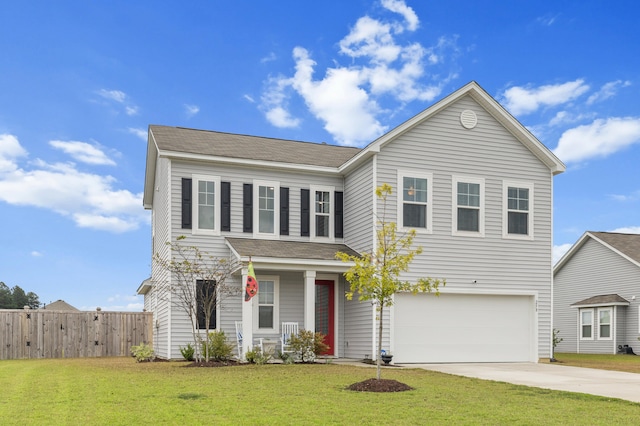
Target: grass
x: 118, y: 391
x: 628, y: 363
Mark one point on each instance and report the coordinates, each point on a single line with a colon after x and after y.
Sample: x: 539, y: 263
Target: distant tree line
x: 16, y: 298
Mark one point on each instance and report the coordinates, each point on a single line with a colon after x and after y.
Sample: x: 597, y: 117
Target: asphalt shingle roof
x: 219, y: 144
x: 629, y: 244
x: 288, y: 249
x: 602, y: 300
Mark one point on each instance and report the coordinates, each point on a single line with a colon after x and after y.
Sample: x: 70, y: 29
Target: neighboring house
x: 596, y: 291
x: 473, y: 182
x: 60, y: 305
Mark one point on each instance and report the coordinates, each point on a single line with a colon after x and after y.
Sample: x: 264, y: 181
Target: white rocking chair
x: 287, y: 329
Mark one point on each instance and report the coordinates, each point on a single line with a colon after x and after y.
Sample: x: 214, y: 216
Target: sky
x: 80, y: 81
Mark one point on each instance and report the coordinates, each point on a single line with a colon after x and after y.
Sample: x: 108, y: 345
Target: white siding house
x: 472, y: 181
x: 596, y: 305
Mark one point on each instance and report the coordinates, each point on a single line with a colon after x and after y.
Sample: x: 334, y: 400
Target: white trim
x: 428, y: 229
x: 506, y: 184
x: 256, y: 209
x: 312, y: 195
x: 454, y: 206
x: 580, y: 324
x: 276, y: 305
x: 195, y: 225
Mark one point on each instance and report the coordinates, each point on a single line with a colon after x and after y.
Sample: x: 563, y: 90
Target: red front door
x: 324, y: 312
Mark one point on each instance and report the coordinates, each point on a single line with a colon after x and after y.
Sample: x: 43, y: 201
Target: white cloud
x: 269, y: 58
x: 607, y: 91
x: 249, y: 98
x: 628, y: 230
x: 121, y: 98
x: 347, y: 98
x: 191, y: 110
x: 10, y: 150
x: 547, y: 20
x: 84, y: 152
x: 36, y: 253
x: 599, y: 139
x: 525, y: 100
x: 89, y: 199
x: 140, y: 133
x: 559, y: 251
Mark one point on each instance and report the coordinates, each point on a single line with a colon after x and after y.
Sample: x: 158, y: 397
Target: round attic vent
x: 468, y: 119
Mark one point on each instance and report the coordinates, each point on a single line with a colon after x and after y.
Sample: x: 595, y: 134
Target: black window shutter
x: 284, y: 211
x: 225, y: 214
x: 338, y: 223
x: 305, y: 216
x: 247, y: 207
x: 186, y: 203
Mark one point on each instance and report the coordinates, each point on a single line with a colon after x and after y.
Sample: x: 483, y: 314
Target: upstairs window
x: 518, y: 212
x: 206, y: 214
x: 415, y: 202
x: 468, y: 208
x: 322, y: 210
x: 267, y: 215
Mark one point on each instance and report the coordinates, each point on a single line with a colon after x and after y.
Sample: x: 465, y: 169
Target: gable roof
x: 492, y: 106
x: 59, y: 305
x: 180, y: 142
x: 625, y: 245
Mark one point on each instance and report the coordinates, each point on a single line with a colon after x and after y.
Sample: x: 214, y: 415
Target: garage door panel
x: 463, y: 328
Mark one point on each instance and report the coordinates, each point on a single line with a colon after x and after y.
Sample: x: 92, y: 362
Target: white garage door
x: 463, y: 328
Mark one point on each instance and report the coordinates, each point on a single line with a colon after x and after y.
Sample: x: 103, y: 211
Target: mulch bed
x: 382, y: 385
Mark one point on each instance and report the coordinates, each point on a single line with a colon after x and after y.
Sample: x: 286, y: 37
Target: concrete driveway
x: 614, y: 384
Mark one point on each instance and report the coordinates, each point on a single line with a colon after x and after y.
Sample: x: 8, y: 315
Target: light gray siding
x: 358, y: 208
x: 595, y: 270
x: 441, y: 146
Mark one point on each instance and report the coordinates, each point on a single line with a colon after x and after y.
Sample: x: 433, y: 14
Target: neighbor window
x: 604, y: 323
x: 266, y: 216
x: 206, y: 192
x: 267, y: 306
x: 586, y: 324
x: 518, y: 212
x: 414, y: 206
x: 322, y: 210
x: 468, y: 206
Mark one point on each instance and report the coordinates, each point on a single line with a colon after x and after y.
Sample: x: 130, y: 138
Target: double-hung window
x: 414, y: 203
x: 586, y: 324
x: 322, y: 212
x: 267, y: 215
x: 518, y: 210
x: 604, y: 323
x: 267, y: 306
x: 468, y: 206
x: 206, y: 214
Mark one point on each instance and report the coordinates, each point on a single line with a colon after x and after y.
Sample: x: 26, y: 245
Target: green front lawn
x: 628, y: 363
x: 120, y: 391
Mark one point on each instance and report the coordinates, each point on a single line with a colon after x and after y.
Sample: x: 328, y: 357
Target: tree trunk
x: 379, y: 355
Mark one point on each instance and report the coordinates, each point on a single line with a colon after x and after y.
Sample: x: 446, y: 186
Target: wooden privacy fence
x: 63, y: 334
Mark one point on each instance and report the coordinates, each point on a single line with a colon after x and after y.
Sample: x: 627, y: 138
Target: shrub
x: 216, y: 347
x: 307, y: 345
x: 142, y: 352
x: 188, y: 352
x: 256, y: 356
x: 286, y: 357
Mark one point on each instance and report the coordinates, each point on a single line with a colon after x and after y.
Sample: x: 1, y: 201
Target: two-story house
x: 468, y: 177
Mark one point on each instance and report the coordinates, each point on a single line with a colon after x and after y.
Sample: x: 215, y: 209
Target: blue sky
x: 80, y: 82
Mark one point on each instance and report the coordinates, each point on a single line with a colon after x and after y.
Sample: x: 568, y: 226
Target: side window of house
x: 267, y: 315
x: 468, y: 208
x: 604, y: 323
x: 414, y: 205
x: 586, y: 324
x: 206, y: 303
x: 518, y: 212
x: 322, y: 212
x: 267, y: 215
x: 206, y: 212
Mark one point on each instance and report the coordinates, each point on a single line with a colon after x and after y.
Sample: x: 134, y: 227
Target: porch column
x: 310, y: 300
x: 247, y: 315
